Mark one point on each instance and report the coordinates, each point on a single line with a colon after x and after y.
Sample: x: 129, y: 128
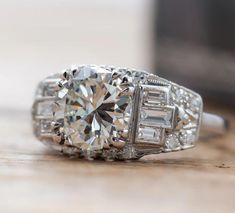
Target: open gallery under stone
x: 115, y: 113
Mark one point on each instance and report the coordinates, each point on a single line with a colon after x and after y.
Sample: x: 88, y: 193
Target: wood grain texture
x: 35, y: 179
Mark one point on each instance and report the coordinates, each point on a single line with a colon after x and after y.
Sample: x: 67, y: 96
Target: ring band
x: 118, y: 113
x: 214, y: 124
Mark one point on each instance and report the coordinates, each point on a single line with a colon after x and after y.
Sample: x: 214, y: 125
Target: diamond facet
x: 97, y: 109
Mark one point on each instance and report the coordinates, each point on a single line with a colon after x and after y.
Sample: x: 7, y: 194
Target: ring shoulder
x: 43, y: 108
x: 169, y: 116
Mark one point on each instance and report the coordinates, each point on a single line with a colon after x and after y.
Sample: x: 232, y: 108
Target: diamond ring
x: 117, y: 113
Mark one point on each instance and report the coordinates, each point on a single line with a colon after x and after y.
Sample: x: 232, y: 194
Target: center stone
x: 97, y: 108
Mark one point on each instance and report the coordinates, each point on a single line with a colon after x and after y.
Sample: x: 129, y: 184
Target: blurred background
x: 195, y: 46
x: 191, y: 42
x: 38, y: 38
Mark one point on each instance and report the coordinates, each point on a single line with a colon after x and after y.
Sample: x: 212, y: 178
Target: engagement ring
x: 117, y: 113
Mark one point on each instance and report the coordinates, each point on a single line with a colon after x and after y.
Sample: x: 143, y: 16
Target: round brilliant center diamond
x: 97, y: 107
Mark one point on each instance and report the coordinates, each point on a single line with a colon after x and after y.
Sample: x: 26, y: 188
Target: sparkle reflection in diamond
x: 96, y: 107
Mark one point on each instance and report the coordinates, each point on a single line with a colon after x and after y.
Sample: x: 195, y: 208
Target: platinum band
x: 213, y: 124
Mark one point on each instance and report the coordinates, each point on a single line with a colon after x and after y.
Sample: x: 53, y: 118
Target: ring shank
x: 213, y: 124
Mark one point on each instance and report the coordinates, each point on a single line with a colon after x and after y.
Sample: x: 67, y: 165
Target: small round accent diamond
x: 187, y: 137
x: 172, y: 143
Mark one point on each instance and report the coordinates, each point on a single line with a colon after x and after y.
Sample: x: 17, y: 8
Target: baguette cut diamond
x: 158, y: 117
x: 156, y: 95
x: 150, y: 135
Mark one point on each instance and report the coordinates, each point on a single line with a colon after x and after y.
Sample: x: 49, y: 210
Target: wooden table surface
x: 35, y: 179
